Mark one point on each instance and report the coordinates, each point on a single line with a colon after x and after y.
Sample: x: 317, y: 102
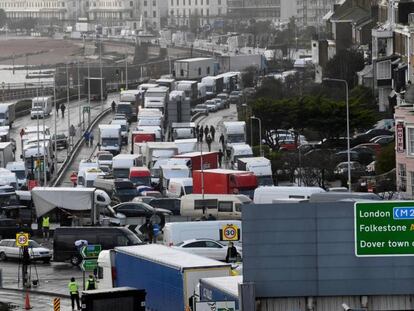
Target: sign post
x: 230, y: 232
x: 384, y: 228
x: 90, y: 255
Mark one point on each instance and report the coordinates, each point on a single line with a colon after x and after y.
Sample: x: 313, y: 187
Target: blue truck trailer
x: 220, y: 289
x: 168, y: 276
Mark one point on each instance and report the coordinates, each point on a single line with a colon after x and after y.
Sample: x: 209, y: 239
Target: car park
x: 206, y: 247
x: 9, y: 250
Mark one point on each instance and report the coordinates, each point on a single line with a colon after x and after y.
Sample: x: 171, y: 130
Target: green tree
x: 249, y: 76
x: 386, y: 159
x: 344, y: 65
x: 3, y: 18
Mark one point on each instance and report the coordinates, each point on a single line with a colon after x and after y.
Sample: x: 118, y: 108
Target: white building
x: 311, y: 12
x: 193, y: 13
x: 38, y: 9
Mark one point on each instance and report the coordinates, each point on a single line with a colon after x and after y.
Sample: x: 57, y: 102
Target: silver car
x: 9, y: 250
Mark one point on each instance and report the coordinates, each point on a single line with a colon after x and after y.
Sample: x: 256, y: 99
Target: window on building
x: 172, y: 2
x: 219, y: 11
x: 183, y: 2
x: 130, y: 14
x: 172, y: 12
x: 219, y: 2
x: 181, y: 72
x: 195, y: 2
x: 145, y: 14
x: 202, y: 13
x: 208, y: 12
x: 145, y: 3
x: 178, y: 2
x: 410, y: 131
x: 208, y: 70
x: 402, y: 177
x: 208, y: 2
x: 201, y: 2
x: 131, y: 3
x: 189, y: 2
x: 154, y: 14
x: 412, y: 183
x: 154, y: 3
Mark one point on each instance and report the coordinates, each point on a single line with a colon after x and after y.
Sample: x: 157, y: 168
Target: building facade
x: 196, y: 13
x: 38, y: 9
x: 312, y: 12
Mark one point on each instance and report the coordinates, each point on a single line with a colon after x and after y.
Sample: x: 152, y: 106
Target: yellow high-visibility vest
x: 73, y: 287
x: 45, y: 222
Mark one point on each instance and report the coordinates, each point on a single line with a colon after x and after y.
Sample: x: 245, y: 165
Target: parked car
x: 383, y: 139
x: 211, y: 105
x: 224, y: 98
x: 206, y: 247
x: 139, y: 209
x: 171, y: 204
x: 342, y: 156
x: 373, y: 146
x: 9, y: 250
x: 365, y: 154
x: 365, y: 137
x: 200, y: 108
x: 61, y: 141
x: 357, y: 169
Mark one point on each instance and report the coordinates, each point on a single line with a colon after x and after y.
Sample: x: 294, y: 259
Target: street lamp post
x: 260, y: 133
x: 348, y: 138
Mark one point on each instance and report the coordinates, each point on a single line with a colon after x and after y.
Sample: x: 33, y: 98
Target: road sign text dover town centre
x: 384, y: 229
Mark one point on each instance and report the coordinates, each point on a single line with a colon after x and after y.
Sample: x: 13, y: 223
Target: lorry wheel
x: 3, y: 256
x: 75, y: 260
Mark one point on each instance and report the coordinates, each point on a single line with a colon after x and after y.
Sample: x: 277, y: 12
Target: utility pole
x: 79, y: 98
x: 67, y: 104
x: 100, y: 65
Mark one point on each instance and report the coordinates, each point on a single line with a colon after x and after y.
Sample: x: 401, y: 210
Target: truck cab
x: 41, y: 107
x: 110, y: 138
x: 122, y: 163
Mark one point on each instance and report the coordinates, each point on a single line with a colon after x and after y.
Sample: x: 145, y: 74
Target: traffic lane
x: 53, y: 277
x: 216, y: 119
x: 37, y: 302
x: 61, y: 123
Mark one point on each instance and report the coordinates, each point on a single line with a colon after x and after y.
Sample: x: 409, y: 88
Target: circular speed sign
x: 22, y: 239
x: 230, y: 233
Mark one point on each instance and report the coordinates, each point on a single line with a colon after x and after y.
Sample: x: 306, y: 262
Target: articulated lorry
x: 92, y: 87
x: 169, y: 276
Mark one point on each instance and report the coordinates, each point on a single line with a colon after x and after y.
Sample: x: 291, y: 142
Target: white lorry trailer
x: 7, y: 114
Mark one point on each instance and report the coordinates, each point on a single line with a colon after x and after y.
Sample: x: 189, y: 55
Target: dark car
x: 9, y: 227
x: 171, y: 204
x: 124, y: 190
x: 139, y: 209
x: 368, y: 135
x: 61, y: 141
x: 64, y: 239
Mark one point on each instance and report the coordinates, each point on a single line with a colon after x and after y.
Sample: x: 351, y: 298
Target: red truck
x: 210, y: 160
x: 220, y: 181
x: 141, y: 137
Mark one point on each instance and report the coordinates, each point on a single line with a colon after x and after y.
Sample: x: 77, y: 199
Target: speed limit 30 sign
x: 22, y: 239
x: 230, y: 232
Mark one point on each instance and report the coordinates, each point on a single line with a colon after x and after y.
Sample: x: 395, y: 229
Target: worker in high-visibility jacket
x: 45, y: 227
x: 91, y: 283
x: 74, y: 293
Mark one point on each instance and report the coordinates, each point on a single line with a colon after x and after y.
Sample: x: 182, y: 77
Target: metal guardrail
x: 75, y: 150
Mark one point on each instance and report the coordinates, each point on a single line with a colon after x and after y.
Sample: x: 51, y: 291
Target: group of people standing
x: 88, y: 138
x: 207, y: 133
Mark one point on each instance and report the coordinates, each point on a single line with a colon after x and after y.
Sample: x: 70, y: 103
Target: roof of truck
x: 228, y: 284
x: 195, y: 59
x: 170, y: 257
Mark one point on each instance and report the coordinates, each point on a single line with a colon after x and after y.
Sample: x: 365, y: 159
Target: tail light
x: 113, y: 273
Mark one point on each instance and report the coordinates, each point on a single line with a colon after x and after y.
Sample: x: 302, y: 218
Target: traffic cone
x: 27, y: 302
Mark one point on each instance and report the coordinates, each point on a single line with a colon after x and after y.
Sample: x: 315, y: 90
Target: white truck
x: 87, y: 177
x: 6, y: 153
x: 157, y: 97
x: 260, y: 166
x: 158, y: 150
x: 178, y: 187
x: 173, y: 171
x: 213, y: 84
x: 46, y: 199
x: 41, y: 107
x: 20, y: 170
x: 183, y: 130
x: 122, y: 163
x: 34, y: 156
x: 276, y: 194
x: 7, y: 114
x: 239, y: 151
x: 234, y: 133
x: 110, y: 138
x: 124, y: 129
x: 186, y: 145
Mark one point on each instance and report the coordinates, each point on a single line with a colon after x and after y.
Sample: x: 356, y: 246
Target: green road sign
x: 86, y: 109
x: 384, y: 228
x: 88, y: 265
x: 91, y: 251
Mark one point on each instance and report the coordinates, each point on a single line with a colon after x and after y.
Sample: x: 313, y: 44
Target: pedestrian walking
x: 113, y: 106
x: 45, y: 228
x: 91, y: 283
x: 74, y: 293
x: 209, y: 140
x: 200, y: 136
x: 91, y: 137
x: 197, y: 131
x: 206, y: 131
x: 57, y: 108
x: 231, y: 253
x: 86, y: 137
x: 62, y: 109
x: 221, y: 140
x: 149, y: 230
x: 25, y: 265
x: 212, y: 132
x: 220, y: 157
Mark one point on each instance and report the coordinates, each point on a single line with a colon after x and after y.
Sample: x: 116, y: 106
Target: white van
x: 277, y: 194
x: 176, y: 232
x: 173, y: 171
x: 221, y: 206
x: 87, y: 177
x: 105, y: 269
x: 179, y: 187
x: 41, y: 107
x: 239, y: 151
x: 20, y: 170
x: 124, y: 128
